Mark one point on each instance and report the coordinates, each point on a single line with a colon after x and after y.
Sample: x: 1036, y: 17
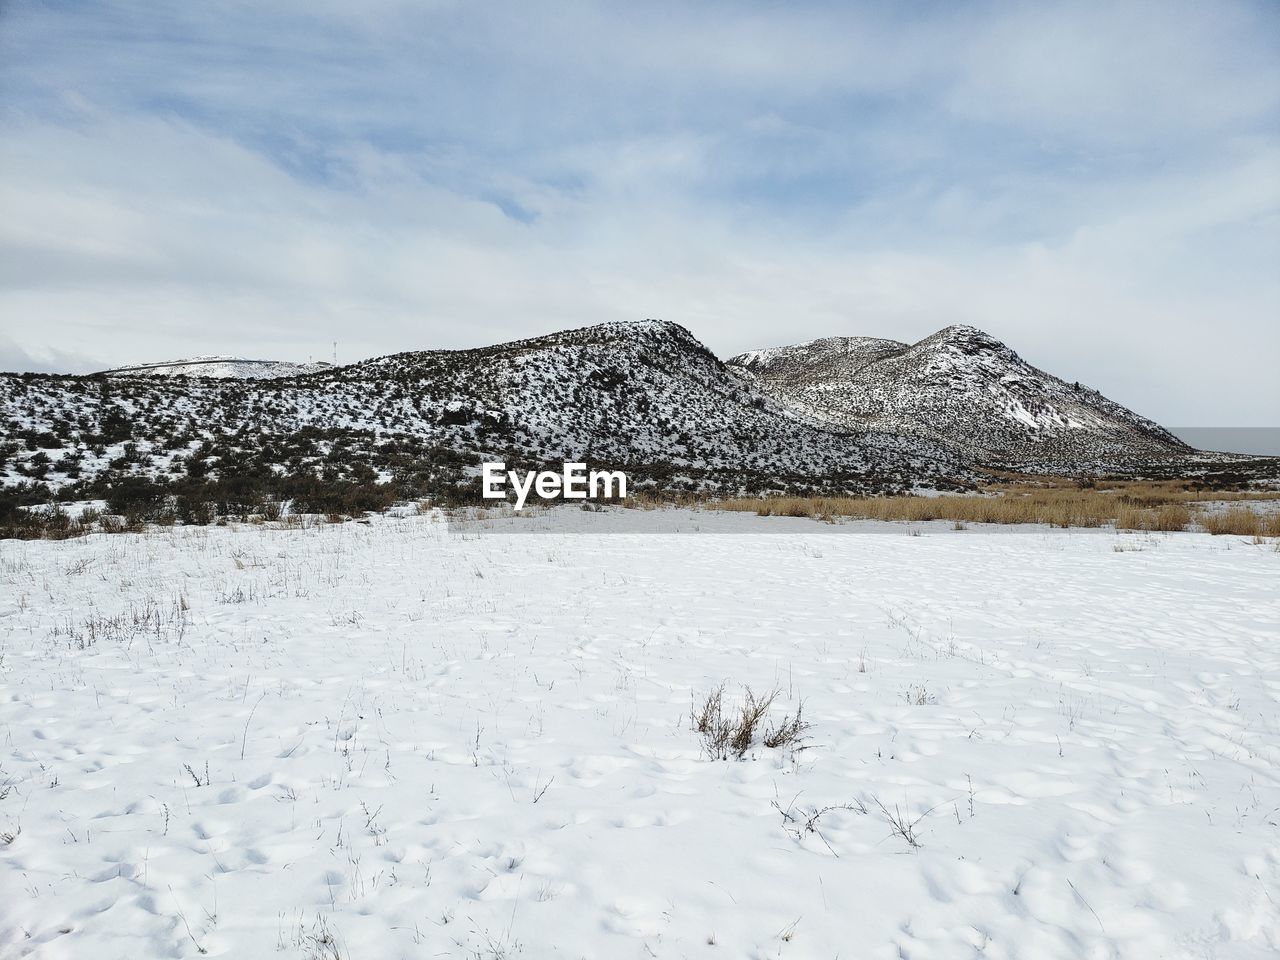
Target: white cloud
x: 1096, y: 186
x: 1120, y: 74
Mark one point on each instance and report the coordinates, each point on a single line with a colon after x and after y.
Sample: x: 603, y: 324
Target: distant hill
x: 959, y: 386
x: 229, y: 368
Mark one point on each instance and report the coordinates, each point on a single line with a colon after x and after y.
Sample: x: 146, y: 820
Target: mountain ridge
x: 960, y: 385
x: 217, y: 366
x: 647, y: 397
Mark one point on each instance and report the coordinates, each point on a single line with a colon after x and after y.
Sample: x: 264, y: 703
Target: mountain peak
x: 649, y: 328
x: 963, y: 331
x: 966, y: 338
x: 960, y: 385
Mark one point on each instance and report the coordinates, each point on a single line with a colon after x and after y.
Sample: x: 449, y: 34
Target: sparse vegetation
x: 1165, y: 517
x: 800, y: 822
x: 135, y: 502
x: 1129, y: 505
x: 902, y: 824
x: 789, y: 733
x: 1241, y: 521
x: 729, y: 731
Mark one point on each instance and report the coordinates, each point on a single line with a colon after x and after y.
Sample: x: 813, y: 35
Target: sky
x: 1096, y: 184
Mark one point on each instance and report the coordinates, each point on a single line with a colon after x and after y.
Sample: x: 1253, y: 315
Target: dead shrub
x: 901, y: 824
x: 729, y: 731
x: 789, y: 733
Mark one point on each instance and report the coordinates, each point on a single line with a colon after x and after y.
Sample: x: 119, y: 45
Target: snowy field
x: 409, y: 739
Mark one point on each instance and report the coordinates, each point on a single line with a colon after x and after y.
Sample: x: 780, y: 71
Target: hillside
x: 219, y: 367
x: 962, y: 387
x: 834, y: 416
x: 646, y: 396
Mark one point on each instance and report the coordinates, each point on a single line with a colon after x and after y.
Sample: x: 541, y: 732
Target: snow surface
x: 409, y: 738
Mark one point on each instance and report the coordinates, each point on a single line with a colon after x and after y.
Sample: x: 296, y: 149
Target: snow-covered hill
x: 221, y: 367
x: 645, y: 395
x: 845, y: 415
x: 961, y: 386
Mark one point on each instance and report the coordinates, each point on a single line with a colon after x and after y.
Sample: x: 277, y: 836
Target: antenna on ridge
x: 335, y: 353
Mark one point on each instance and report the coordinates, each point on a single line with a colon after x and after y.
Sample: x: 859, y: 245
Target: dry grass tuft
x: 728, y: 733
x: 1241, y: 521
x: 789, y: 733
x: 1166, y: 517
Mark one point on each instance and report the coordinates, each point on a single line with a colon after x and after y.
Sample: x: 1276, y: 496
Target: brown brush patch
x: 1129, y: 505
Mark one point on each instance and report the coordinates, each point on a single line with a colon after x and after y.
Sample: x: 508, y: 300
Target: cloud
x: 14, y: 359
x: 1096, y: 185
x: 1122, y: 74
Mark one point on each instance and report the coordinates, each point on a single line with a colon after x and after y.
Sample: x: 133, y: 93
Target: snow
x: 961, y: 385
x: 221, y: 367
x: 637, y: 394
x: 412, y: 738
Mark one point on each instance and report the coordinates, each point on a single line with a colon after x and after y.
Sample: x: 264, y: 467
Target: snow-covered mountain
x: 841, y: 415
x: 646, y: 396
x: 643, y: 392
x: 960, y: 386
x: 221, y: 367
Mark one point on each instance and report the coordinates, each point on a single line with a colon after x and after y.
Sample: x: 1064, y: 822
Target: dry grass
x: 1241, y: 521
x: 728, y: 733
x: 1168, y: 516
x: 1128, y: 505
